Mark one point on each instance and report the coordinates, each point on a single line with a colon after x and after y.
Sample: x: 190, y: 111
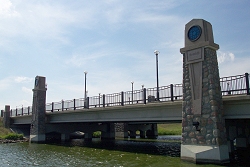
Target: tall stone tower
x: 203, y: 126
x: 37, y: 129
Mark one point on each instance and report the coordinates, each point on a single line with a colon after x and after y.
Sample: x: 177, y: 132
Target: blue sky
x: 113, y: 40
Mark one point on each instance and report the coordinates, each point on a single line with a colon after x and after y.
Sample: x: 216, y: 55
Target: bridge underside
x: 238, y: 137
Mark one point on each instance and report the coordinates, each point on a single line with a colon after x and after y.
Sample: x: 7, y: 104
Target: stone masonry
x: 37, y: 128
x: 211, y: 129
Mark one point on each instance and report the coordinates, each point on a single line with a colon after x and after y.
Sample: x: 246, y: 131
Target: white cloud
x: 22, y: 79
x: 225, y: 56
x: 7, y: 9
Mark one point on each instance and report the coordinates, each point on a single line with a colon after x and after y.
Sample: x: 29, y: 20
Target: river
x: 164, y: 151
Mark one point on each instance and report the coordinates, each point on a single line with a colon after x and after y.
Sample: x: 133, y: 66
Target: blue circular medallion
x: 194, y: 33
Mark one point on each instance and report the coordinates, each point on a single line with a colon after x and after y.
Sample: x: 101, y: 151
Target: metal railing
x: 232, y: 85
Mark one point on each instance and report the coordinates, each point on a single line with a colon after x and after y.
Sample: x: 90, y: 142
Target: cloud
x: 225, y: 56
x: 7, y: 9
x: 22, y: 79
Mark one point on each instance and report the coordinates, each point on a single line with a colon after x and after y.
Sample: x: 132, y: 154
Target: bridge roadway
x: 155, y: 112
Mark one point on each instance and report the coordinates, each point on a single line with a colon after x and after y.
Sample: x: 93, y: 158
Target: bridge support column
x: 121, y: 130
x: 37, y: 129
x: 142, y: 134
x: 88, y: 136
x: 132, y: 134
x: 153, y: 133
x: 64, y: 137
x: 6, y: 117
x: 109, y: 132
x: 203, y: 126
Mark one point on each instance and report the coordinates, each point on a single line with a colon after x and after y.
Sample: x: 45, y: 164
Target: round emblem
x: 194, y: 33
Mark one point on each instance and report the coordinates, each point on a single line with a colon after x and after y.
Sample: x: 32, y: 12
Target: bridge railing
x: 21, y: 111
x: 232, y: 85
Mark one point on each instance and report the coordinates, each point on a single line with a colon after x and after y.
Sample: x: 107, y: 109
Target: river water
x: 162, y: 152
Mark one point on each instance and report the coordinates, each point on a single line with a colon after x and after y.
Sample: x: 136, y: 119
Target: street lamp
x: 156, y: 52
x: 99, y: 99
x: 132, y: 82
x: 85, y: 90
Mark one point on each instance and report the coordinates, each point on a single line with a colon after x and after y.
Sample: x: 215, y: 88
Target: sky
x: 114, y: 41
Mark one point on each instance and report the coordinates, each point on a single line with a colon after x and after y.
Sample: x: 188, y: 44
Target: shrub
x: 13, y: 136
x: 97, y: 134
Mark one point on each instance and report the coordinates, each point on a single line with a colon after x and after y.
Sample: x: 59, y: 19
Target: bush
x: 97, y: 134
x: 13, y: 136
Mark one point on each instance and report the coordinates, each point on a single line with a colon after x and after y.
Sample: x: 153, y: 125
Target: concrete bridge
x: 126, y: 117
x: 214, y: 111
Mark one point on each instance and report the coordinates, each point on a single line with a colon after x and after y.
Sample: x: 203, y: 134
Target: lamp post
x: 99, y: 99
x: 156, y: 52
x: 85, y: 90
x: 132, y: 82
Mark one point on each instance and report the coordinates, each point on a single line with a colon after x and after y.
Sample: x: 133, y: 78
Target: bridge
x: 214, y: 111
x: 144, y: 110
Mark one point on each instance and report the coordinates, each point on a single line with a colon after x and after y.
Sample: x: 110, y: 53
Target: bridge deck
x: 235, y: 107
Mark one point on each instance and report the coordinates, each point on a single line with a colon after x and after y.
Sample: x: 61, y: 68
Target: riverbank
x: 7, y: 136
x: 6, y: 141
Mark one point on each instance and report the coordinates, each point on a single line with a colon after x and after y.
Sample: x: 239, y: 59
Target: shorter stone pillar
x: 37, y: 128
x: 1, y: 113
x: 6, y: 117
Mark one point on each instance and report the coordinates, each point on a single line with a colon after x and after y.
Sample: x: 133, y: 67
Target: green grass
x: 169, y: 129
x: 7, y: 134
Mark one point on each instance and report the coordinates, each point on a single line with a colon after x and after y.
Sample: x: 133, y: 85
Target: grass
x: 7, y: 134
x: 169, y: 129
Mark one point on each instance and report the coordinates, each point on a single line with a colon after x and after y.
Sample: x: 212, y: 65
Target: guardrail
x: 232, y: 85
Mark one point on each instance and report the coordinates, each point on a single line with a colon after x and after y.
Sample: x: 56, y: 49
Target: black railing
x: 232, y: 85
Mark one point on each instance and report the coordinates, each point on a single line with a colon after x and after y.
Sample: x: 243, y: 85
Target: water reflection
x: 133, y: 146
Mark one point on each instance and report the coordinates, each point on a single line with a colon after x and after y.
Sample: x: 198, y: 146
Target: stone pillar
x: 6, y: 117
x: 203, y: 127
x: 1, y: 113
x: 121, y: 130
x: 37, y: 129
